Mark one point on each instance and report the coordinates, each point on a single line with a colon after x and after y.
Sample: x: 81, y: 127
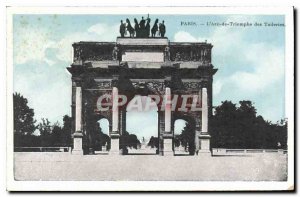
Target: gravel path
x: 64, y: 166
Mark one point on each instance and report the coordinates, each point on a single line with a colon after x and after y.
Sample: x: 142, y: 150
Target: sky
x: 250, y: 60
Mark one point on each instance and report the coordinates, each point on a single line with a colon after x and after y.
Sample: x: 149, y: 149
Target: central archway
x: 142, y: 124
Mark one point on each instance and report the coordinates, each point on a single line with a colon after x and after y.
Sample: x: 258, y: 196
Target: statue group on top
x: 142, y: 29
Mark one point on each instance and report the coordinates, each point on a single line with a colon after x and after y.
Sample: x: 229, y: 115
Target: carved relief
x: 93, y: 52
x: 192, y: 85
x: 181, y: 53
x: 109, y: 51
x: 158, y: 86
x: 104, y: 85
x: 154, y: 86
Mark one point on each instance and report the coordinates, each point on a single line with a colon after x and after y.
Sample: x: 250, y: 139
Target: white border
x: 154, y: 185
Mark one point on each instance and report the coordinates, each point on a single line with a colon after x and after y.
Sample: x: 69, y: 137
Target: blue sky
x: 250, y: 59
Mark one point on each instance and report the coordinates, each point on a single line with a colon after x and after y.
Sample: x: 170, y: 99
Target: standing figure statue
x: 167, y: 54
x: 154, y: 28
x: 115, y: 54
x: 136, y: 28
x: 142, y: 28
x: 130, y: 28
x: 162, y: 29
x: 142, y: 23
x: 148, y: 28
x: 122, y: 29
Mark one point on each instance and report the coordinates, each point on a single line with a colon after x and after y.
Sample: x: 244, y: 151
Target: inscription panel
x: 143, y: 56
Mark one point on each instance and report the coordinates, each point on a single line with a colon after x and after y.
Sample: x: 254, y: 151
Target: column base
x: 168, y: 153
x: 168, y: 147
x: 77, y: 152
x: 114, y: 153
x: 204, y: 145
x: 114, y: 145
x: 91, y: 151
x: 203, y: 153
x: 77, y: 143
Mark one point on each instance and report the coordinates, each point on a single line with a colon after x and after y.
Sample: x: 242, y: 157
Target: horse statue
x: 130, y: 28
x: 137, y: 28
x: 148, y: 28
x: 154, y: 28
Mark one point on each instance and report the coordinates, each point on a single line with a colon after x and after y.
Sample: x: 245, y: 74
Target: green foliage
x: 44, y: 127
x: 55, y: 135
x: 240, y: 127
x: 153, y: 142
x: 61, y: 136
x: 129, y: 141
x: 186, y: 138
x: 24, y: 123
x: 66, y: 137
x: 101, y: 139
x: 45, y: 130
x: 23, y: 116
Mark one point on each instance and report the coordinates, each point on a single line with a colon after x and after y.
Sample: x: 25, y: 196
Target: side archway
x: 184, y: 127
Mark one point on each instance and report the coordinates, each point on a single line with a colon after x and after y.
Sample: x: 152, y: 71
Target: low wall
x: 232, y: 152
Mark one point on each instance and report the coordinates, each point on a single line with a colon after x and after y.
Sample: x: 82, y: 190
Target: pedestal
x: 114, y: 145
x: 204, y: 145
x: 77, y: 144
x: 168, y: 145
x: 168, y: 150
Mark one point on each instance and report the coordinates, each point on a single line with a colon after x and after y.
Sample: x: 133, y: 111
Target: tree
x: 240, y: 127
x: 23, y: 116
x: 66, y: 137
x: 56, y: 135
x: 187, y: 138
x: 24, y: 123
x: 101, y: 139
x: 45, y: 132
x: 129, y: 141
x: 153, y: 142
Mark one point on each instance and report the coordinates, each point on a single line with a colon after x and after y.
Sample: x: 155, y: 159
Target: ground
x: 64, y: 166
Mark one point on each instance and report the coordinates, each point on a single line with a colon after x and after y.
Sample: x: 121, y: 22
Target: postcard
x: 150, y: 99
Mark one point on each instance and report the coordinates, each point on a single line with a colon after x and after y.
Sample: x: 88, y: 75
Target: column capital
x: 79, y: 83
x: 167, y: 135
x: 114, y: 135
x: 115, y: 80
x: 77, y: 134
x: 167, y: 81
x: 204, y: 84
x: 204, y: 135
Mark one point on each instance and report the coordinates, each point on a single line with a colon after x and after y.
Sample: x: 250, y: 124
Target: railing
x: 224, y: 152
x: 42, y: 149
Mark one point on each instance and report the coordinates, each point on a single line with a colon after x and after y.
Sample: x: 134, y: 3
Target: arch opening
x: 141, y: 126
x: 101, y: 132
x: 184, y: 136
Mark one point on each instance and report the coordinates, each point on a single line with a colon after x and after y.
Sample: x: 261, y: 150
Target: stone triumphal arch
x: 140, y: 66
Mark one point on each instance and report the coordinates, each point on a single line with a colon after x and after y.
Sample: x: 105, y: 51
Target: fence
x: 42, y: 149
x: 228, y: 152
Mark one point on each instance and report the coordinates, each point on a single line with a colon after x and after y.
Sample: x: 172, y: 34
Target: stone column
x: 204, y: 111
x: 168, y: 136
x: 161, y: 129
x: 168, y: 108
x: 204, y: 137
x: 77, y: 136
x: 114, y: 150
